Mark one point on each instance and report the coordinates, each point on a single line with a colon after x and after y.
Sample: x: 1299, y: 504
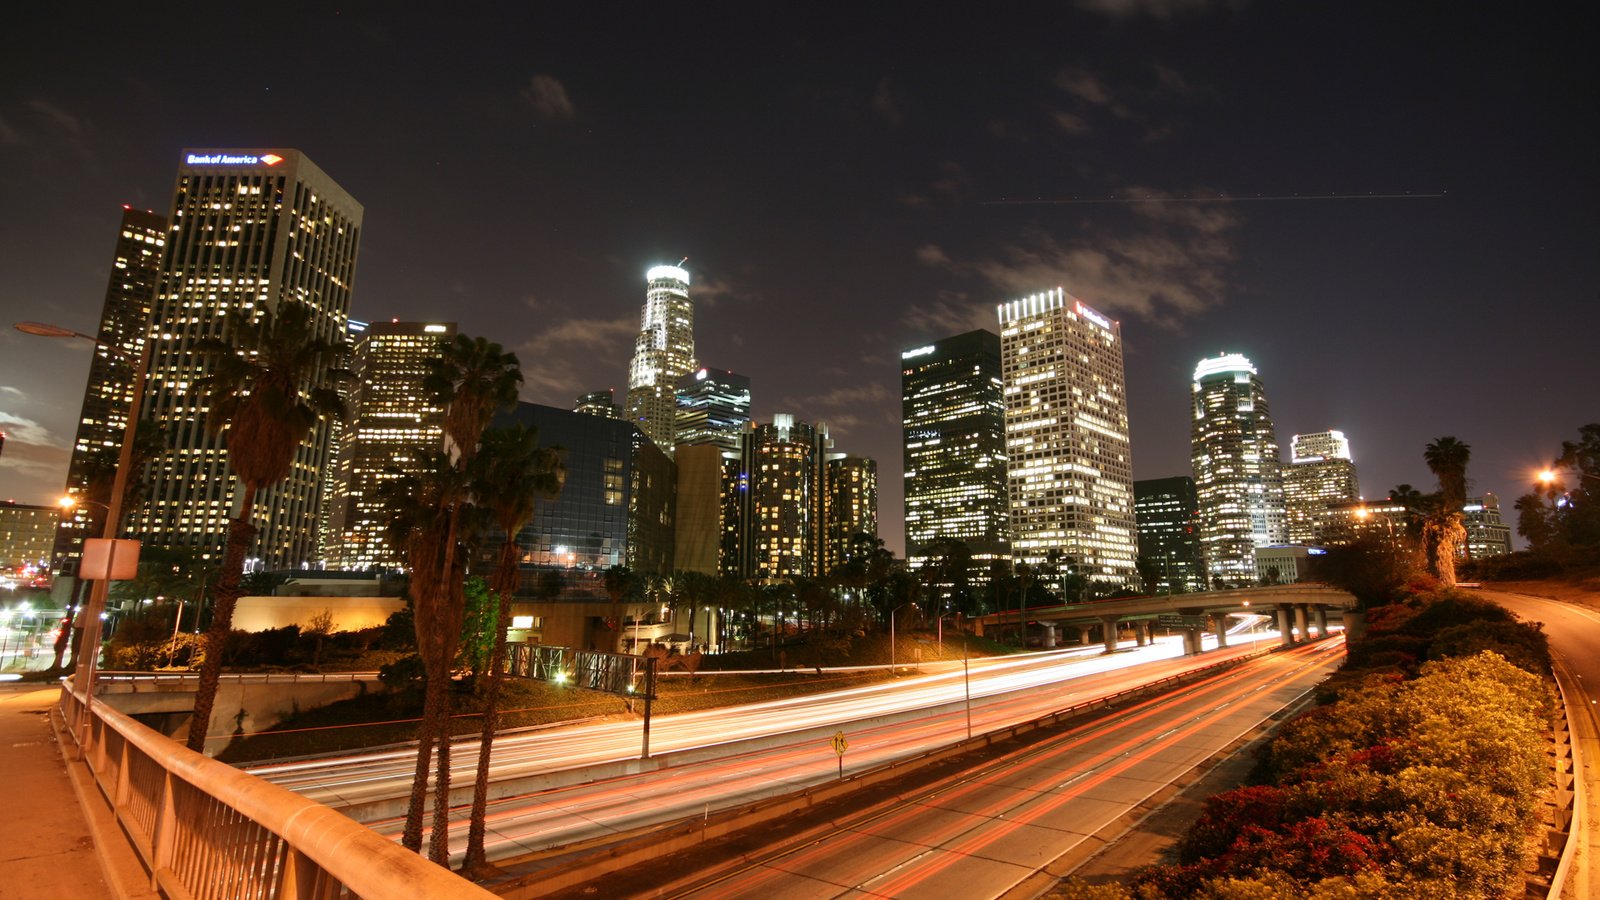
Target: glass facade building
x: 852, y: 505
x: 1169, y: 535
x: 952, y: 405
x: 662, y: 354
x: 249, y: 230
x: 781, y: 486
x: 713, y: 408
x: 616, y: 507
x: 103, y: 419
x: 391, y: 418
x: 599, y: 403
x: 1069, y: 462
x: 1237, y: 473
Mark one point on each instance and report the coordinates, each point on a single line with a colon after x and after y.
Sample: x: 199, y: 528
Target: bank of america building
x: 250, y: 229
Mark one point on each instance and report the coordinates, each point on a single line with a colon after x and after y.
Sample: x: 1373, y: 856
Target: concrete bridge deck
x: 1297, y: 607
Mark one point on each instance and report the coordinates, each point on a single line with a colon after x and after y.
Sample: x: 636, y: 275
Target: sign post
x: 839, y: 746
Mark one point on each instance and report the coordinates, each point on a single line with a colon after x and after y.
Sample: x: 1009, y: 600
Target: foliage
x: 1420, y: 773
x: 477, y: 628
x: 405, y: 672
x: 1371, y: 568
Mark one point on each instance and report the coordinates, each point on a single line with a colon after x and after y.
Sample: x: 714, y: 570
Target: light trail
x: 966, y: 823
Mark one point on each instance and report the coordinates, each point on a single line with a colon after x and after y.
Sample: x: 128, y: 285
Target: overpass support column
x: 1300, y: 622
x: 1193, y: 641
x: 1108, y: 631
x: 1222, y: 629
x: 1285, y: 626
x: 1321, y: 616
x: 1049, y: 635
x: 1141, y: 632
x: 1083, y: 634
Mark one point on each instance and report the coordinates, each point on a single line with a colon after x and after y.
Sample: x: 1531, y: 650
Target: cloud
x: 951, y: 312
x: 554, y: 360
x: 8, y: 134
x: 1072, y: 123
x: 1165, y: 262
x: 25, y: 431
x: 1156, y: 9
x: 59, y: 117
x: 884, y: 103
x: 548, y: 97
x: 709, y: 290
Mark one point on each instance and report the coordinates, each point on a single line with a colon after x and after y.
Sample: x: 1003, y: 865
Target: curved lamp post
x: 89, y: 653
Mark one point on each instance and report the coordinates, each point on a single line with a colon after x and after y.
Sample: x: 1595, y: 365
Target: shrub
x: 405, y: 672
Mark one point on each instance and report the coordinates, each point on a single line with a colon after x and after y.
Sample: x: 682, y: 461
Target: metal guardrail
x: 1569, y: 809
x: 137, y: 677
x: 205, y: 830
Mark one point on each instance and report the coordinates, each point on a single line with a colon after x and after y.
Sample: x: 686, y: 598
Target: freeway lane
x: 1574, y: 633
x: 989, y: 832
x: 1071, y: 676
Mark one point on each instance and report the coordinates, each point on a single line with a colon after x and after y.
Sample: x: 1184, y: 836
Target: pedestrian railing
x: 134, y: 678
x: 204, y: 829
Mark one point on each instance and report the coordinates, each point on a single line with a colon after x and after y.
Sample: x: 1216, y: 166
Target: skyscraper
x: 851, y: 506
x: 1320, y: 472
x: 250, y: 230
x: 1169, y: 536
x: 599, y: 403
x: 713, y: 408
x: 662, y: 354
x: 782, y: 484
x: 391, y: 417
x: 130, y: 293
x: 1487, y: 535
x: 953, y: 420
x: 1070, y: 468
x: 1237, y: 474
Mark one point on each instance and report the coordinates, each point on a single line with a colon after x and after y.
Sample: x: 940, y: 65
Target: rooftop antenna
x: 682, y: 261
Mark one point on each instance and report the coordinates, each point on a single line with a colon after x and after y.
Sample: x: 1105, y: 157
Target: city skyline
x: 845, y: 193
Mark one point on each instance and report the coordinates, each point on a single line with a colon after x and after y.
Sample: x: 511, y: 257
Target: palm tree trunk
x: 439, y: 836
x: 444, y: 654
x: 476, y: 865
x: 411, y: 837
x: 241, y: 531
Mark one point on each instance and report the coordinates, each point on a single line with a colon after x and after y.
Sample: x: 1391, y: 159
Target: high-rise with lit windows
x: 713, y: 408
x: 1320, y: 471
x: 1069, y: 464
x: 103, y: 420
x: 953, y: 421
x: 851, y: 506
x: 662, y: 354
x: 391, y: 417
x: 1238, y: 477
x: 250, y: 229
x: 1169, y: 538
x: 782, y: 490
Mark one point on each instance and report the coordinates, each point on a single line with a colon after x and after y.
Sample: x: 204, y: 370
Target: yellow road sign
x: 839, y: 743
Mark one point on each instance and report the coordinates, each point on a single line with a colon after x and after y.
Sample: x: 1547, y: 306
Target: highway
x: 1574, y: 633
x: 742, y: 753
x: 990, y: 832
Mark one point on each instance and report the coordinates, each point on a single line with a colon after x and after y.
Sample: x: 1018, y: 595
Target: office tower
x: 1320, y: 472
x: 850, y: 507
x: 782, y: 488
x: 616, y: 507
x: 599, y: 403
x: 130, y: 292
x: 27, y: 534
x: 952, y: 407
x: 391, y: 418
x: 250, y: 230
x: 1237, y: 475
x: 1487, y: 535
x: 1169, y: 535
x: 662, y: 354
x: 1070, y: 469
x: 713, y: 408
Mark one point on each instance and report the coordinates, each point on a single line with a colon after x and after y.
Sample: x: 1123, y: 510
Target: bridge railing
x: 204, y: 829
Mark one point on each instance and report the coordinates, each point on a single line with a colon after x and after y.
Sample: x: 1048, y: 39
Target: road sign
x: 840, y: 745
x: 1174, y: 620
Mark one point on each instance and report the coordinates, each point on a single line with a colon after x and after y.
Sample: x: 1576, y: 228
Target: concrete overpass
x: 1298, y: 608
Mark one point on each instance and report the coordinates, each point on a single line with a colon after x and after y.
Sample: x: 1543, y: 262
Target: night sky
x: 1412, y: 249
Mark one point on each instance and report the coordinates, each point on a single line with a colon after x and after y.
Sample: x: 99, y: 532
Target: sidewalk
x: 47, y: 850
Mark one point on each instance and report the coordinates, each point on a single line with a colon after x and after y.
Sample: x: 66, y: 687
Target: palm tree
x: 267, y: 387
x: 1443, y: 532
x: 512, y: 473
x: 621, y: 583
x: 472, y: 378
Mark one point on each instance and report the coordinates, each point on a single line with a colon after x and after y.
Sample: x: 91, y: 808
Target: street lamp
x: 89, y: 655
